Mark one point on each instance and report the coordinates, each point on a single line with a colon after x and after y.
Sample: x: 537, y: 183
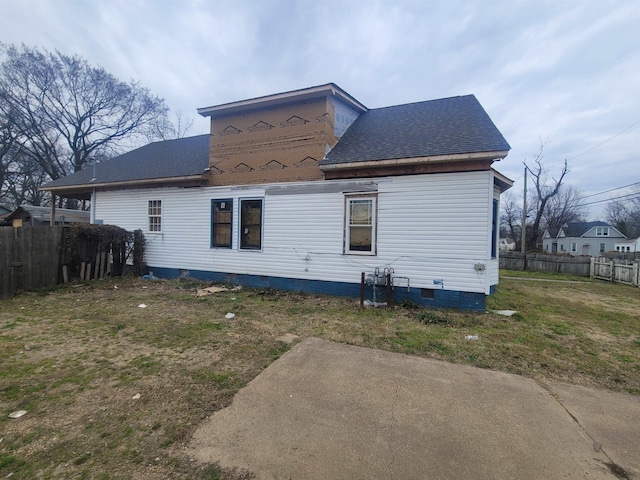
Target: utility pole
x: 523, y: 244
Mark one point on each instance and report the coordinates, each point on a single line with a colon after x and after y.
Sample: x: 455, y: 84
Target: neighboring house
x: 582, y: 238
x: 304, y: 190
x: 30, y: 215
x: 627, y: 246
x: 5, y: 211
x: 507, y: 245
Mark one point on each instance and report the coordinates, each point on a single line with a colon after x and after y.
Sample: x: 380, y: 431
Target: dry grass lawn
x: 114, y: 391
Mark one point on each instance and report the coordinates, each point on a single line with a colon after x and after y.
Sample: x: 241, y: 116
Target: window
x: 602, y: 247
x: 494, y: 229
x: 221, y: 222
x: 155, y: 215
x: 574, y: 247
x: 360, y: 225
x: 251, y: 224
x: 602, y: 231
x: 561, y: 247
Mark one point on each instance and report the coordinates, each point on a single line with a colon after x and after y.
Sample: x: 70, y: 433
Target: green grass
x: 544, y: 275
x: 75, y: 358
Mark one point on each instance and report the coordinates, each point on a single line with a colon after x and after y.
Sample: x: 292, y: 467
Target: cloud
x: 562, y: 71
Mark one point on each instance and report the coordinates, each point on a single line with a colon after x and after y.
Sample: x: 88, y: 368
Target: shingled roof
x: 443, y: 130
x: 37, y: 214
x: 578, y: 229
x: 182, y: 157
x: 447, y: 126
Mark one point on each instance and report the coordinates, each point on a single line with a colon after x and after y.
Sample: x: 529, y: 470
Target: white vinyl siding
x: 429, y: 228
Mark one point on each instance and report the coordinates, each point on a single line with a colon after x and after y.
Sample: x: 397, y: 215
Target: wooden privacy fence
x: 539, y: 262
x: 38, y: 257
x: 29, y: 258
x: 616, y: 271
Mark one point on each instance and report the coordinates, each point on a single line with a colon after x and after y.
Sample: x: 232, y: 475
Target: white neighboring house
x: 582, y: 238
x: 305, y: 190
x: 628, y: 246
x: 507, y: 245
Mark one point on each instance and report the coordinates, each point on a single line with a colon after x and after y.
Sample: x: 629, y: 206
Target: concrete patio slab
x: 327, y: 410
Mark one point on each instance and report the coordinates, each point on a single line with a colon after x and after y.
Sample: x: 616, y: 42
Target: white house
x: 308, y: 189
x: 627, y: 246
x: 507, y: 245
x: 582, y: 238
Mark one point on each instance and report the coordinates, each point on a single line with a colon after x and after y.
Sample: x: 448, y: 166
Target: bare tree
x: 65, y: 112
x: 167, y: 129
x: 545, y: 190
x: 563, y: 208
x: 511, y: 217
x: 624, y: 214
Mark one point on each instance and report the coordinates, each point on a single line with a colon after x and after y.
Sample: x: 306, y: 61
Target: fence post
x: 592, y: 267
x: 611, y: 270
x: 635, y: 277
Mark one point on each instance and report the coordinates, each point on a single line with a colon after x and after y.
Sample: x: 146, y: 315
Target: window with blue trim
x: 221, y: 223
x: 251, y: 224
x: 494, y: 230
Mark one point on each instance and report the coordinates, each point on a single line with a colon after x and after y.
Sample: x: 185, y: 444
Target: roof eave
x: 267, y: 101
x: 128, y: 183
x: 503, y: 182
x: 459, y: 157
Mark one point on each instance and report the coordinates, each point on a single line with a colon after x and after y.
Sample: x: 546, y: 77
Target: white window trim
x: 602, y: 231
x: 149, y: 216
x: 374, y: 224
x: 574, y: 246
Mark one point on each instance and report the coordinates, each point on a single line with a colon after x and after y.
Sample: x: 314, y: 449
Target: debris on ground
x: 506, y: 313
x: 136, y: 396
x: 230, y: 315
x: 201, y: 292
x: 17, y: 414
x: 471, y: 337
x: 142, y: 305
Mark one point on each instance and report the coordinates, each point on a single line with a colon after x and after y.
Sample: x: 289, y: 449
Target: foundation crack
x: 613, y: 467
x: 391, y: 431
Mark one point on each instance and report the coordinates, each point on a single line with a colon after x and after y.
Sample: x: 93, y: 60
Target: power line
x: 608, y: 200
x: 605, y: 141
x: 610, y: 190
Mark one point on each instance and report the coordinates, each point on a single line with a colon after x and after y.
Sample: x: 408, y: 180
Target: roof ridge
x: 170, y: 140
x: 424, y: 101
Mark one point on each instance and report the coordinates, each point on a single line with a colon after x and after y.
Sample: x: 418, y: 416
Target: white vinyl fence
x: 620, y: 272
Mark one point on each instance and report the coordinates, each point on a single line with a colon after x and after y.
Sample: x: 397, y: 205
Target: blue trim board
x: 437, y: 298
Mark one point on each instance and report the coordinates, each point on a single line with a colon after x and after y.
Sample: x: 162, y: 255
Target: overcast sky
x: 566, y: 73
